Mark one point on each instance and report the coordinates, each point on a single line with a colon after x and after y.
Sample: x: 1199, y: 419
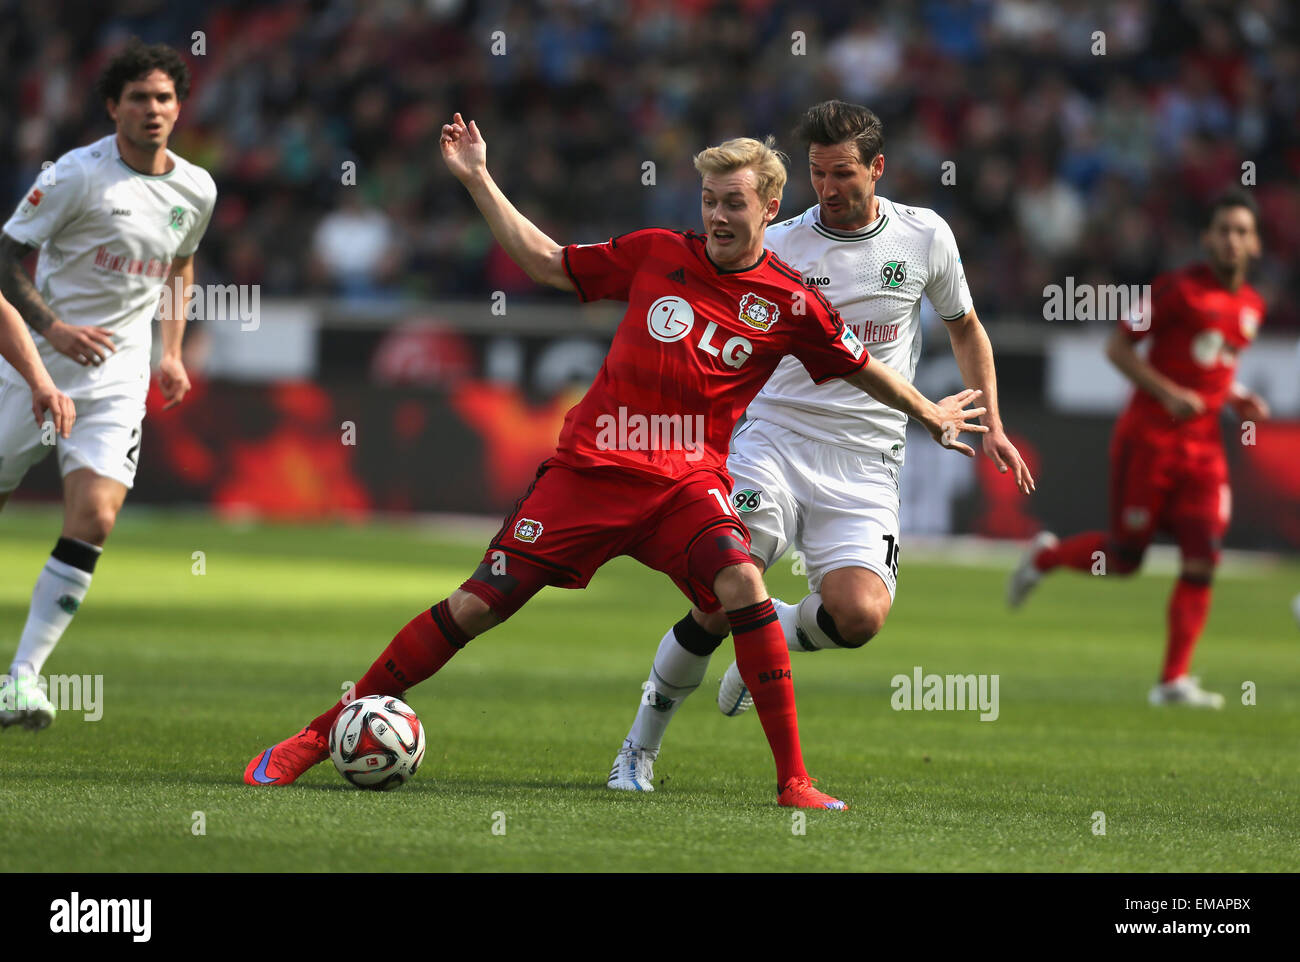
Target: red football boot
x: 282, y: 764
x: 798, y: 792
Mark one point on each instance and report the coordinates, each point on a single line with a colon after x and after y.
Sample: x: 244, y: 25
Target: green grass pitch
x: 202, y: 671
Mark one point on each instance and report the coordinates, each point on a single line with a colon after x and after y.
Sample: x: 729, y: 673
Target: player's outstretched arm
x: 465, y: 153
x: 974, y: 353
x: 85, y: 345
x: 944, y: 420
x: 17, y: 347
x: 1180, y: 402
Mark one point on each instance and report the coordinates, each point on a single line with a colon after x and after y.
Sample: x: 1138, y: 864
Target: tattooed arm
x: 85, y: 345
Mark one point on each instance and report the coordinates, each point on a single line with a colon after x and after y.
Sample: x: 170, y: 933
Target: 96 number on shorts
x: 891, y: 552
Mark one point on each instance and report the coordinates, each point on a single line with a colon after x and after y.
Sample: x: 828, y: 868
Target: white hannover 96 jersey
x: 107, y: 236
x: 874, y: 277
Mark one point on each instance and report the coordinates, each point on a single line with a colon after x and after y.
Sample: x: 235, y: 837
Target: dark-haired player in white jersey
x: 813, y: 465
x: 114, y: 221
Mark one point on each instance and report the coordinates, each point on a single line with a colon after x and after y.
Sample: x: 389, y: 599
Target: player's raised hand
x: 1004, y: 454
x: 463, y: 148
x: 173, y: 380
x: 47, y: 397
x: 954, y: 418
x: 85, y: 345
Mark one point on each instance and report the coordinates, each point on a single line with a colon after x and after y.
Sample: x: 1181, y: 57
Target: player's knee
x: 1125, y: 558
x: 93, y: 524
x: 856, y: 622
x: 471, y: 613
x: 1198, y: 570
x: 739, y: 585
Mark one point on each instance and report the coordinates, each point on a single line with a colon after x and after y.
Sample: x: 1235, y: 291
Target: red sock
x: 1075, y: 552
x: 1189, y: 606
x: 417, y: 652
x: 764, y: 663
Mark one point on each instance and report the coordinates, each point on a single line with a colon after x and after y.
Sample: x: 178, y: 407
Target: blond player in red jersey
x: 1168, y: 470
x: 709, y: 316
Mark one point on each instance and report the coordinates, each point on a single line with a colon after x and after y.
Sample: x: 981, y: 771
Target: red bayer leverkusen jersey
x: 696, y: 344
x: 1197, y: 328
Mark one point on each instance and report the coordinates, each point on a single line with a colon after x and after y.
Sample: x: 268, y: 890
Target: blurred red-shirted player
x: 1168, y: 470
x: 640, y: 468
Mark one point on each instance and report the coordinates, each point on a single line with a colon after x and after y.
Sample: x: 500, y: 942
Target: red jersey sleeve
x: 825, y: 345
x: 605, y: 271
x: 1143, y: 318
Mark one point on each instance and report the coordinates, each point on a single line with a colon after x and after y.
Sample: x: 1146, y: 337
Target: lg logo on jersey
x: 671, y: 319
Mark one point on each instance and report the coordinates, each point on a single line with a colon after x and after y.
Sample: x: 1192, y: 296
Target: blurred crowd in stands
x: 1079, y: 138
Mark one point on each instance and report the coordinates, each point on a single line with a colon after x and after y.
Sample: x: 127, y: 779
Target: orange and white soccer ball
x: 377, y: 742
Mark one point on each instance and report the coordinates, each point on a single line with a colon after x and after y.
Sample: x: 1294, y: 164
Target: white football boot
x: 733, y: 697
x: 1185, y: 691
x: 633, y: 770
x: 1026, y: 575
x: 22, y: 702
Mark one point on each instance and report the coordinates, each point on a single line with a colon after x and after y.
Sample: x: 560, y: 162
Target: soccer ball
x: 377, y: 742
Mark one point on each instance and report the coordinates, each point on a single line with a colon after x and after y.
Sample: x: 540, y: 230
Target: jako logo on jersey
x: 528, y: 530
x: 816, y: 281
x: 670, y: 319
x: 1249, y: 323
x: 894, y: 273
x: 758, y: 312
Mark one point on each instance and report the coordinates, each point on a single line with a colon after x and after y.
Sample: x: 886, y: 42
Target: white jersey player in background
x: 813, y: 465
x: 114, y: 221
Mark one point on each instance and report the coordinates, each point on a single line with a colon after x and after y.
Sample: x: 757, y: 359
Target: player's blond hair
x: 741, y: 152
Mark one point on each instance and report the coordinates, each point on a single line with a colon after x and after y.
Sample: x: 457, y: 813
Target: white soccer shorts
x: 104, y: 438
x: 838, y: 507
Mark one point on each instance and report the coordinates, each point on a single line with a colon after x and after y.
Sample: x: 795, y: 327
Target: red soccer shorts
x: 570, y: 522
x: 1173, y: 485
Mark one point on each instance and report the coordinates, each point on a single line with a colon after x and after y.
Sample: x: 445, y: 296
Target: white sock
x: 58, y: 594
x: 675, y: 673
x: 787, y: 615
x: 802, y: 633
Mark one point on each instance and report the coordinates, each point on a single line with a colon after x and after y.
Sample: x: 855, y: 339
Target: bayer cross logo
x: 670, y: 319
x: 528, y: 530
x: 894, y: 273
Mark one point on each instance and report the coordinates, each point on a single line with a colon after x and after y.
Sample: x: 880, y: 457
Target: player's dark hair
x: 834, y: 121
x: 1228, y: 200
x: 137, y: 60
